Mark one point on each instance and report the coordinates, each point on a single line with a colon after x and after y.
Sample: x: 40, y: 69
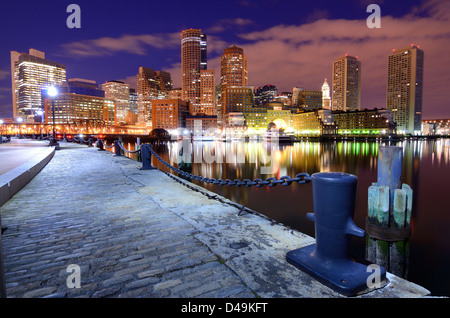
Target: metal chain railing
x: 300, y: 178
x: 104, y: 144
x: 127, y: 151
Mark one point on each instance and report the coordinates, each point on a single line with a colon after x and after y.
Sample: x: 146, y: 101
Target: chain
x: 104, y: 144
x: 300, y: 178
x: 128, y: 151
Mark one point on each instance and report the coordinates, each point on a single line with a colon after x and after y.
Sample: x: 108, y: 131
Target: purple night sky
x: 288, y: 43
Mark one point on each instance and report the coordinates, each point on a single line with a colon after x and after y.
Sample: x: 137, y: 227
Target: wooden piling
x: 389, y: 215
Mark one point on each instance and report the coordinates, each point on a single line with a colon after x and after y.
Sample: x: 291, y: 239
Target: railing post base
x: 117, y: 148
x: 100, y: 145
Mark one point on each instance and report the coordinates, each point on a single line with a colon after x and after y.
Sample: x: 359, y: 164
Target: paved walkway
x: 19, y: 151
x: 136, y: 233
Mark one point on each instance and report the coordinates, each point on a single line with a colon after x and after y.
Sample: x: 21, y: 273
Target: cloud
x: 4, y: 74
x: 227, y: 24
x: 302, y: 55
x: 130, y: 80
x: 132, y: 44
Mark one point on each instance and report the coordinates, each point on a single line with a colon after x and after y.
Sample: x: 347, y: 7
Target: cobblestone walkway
x: 82, y: 209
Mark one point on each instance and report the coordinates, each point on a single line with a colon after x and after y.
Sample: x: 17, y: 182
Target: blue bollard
x: 146, y: 157
x: 329, y: 260
x: 100, y: 145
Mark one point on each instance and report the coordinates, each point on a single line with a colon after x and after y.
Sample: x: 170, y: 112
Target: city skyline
x: 291, y: 51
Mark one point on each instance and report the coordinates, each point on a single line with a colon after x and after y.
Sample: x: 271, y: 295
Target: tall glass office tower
x: 404, y: 88
x: 31, y: 72
x: 346, y: 94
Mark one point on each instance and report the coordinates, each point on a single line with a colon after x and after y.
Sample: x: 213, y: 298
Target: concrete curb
x: 12, y: 181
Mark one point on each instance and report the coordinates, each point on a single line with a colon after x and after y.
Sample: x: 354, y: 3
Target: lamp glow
x: 52, y: 91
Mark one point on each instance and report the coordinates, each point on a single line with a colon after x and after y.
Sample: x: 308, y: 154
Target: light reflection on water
x: 426, y: 168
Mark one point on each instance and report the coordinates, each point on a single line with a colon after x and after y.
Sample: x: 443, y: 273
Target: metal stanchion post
x: 146, y: 157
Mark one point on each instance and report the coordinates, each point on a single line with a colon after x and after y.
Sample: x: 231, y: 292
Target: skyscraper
x: 203, y: 52
x: 29, y: 74
x: 190, y: 66
x: 150, y: 85
x: 234, y: 81
x: 197, y: 82
x: 404, y: 88
x: 326, y: 99
x: 208, y: 93
x: 346, y: 84
x: 120, y: 92
x: 233, y: 68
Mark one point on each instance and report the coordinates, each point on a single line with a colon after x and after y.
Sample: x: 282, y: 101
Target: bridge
x: 129, y: 230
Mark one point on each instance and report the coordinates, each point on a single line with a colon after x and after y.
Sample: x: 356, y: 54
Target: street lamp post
x: 1, y: 130
x: 52, y: 92
x: 41, y: 114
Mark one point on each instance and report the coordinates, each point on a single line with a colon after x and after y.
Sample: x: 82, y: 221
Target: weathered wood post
x: 389, y: 214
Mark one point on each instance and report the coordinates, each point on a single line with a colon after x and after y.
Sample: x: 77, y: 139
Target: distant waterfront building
x: 196, y: 123
x: 346, y: 84
x: 359, y: 122
x: 30, y: 73
x: 282, y: 118
x: 309, y: 100
x: 295, y: 92
x: 234, y: 120
x: 318, y: 122
x: 367, y: 121
x: 265, y: 94
x: 169, y: 113
x: 207, y: 93
x: 78, y: 102
x: 326, y: 98
x: 82, y: 86
x: 150, y: 85
x: 440, y: 126
x: 404, y: 88
x: 120, y: 92
x: 237, y: 99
